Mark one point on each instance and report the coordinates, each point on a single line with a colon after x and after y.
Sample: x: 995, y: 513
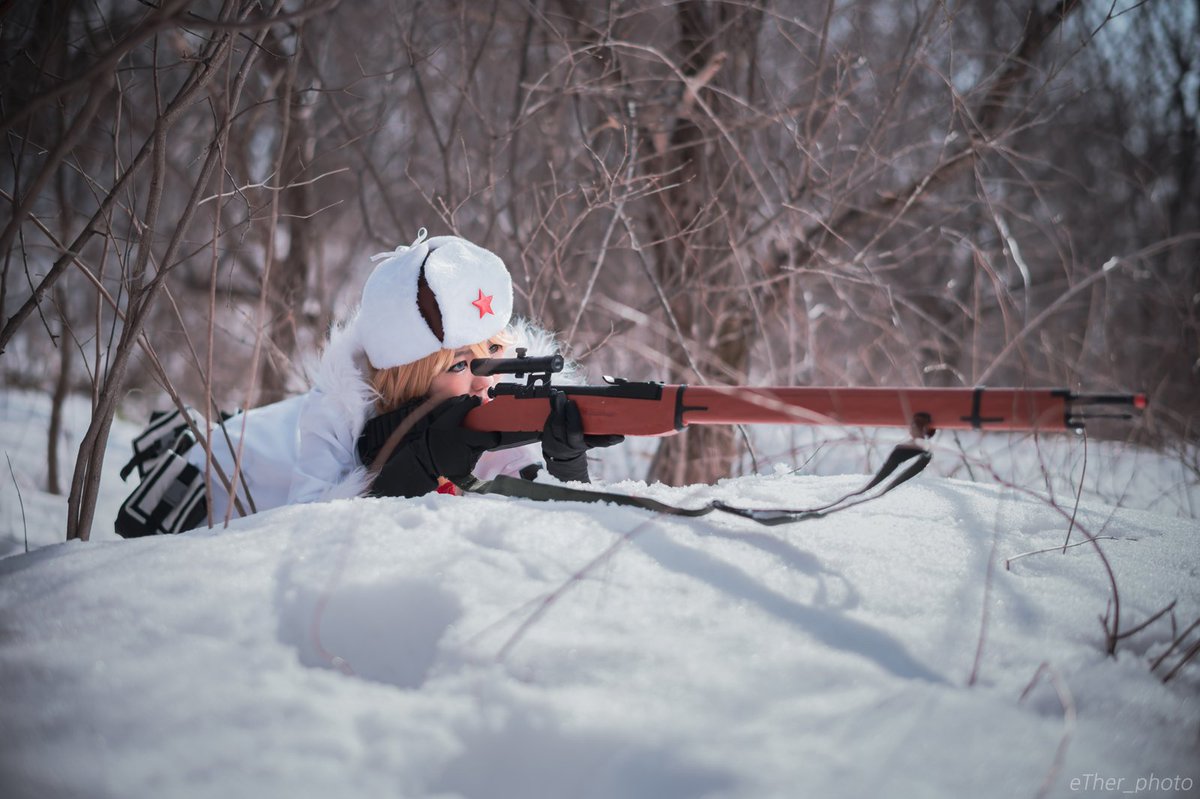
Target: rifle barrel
x: 950, y: 409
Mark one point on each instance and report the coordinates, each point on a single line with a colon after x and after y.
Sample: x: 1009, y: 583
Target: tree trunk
x: 62, y: 387
x: 685, y: 252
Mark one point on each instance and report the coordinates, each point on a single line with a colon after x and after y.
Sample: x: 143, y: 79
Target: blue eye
x: 458, y: 367
x: 492, y: 350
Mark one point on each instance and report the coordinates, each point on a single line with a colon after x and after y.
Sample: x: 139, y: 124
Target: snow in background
x: 482, y: 647
x: 25, y: 509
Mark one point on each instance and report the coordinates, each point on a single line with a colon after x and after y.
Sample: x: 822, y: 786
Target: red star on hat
x: 484, y: 304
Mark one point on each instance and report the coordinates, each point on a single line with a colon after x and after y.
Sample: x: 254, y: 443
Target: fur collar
x: 342, y: 375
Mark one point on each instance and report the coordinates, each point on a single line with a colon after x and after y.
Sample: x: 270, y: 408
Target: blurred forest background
x: 841, y: 192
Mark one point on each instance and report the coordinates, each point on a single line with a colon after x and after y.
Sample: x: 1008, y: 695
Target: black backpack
x: 170, y: 497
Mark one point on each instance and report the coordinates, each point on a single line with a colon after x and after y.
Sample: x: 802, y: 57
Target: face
x: 458, y: 380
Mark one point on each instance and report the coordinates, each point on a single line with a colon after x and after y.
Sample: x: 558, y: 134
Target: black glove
x: 563, y: 443
x: 438, y: 446
x: 379, y: 429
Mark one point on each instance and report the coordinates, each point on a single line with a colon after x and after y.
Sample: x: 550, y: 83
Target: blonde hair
x: 409, y: 381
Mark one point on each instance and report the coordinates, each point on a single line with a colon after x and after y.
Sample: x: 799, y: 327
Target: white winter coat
x: 303, y: 448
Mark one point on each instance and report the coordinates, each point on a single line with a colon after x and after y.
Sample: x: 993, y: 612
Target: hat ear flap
x: 473, y: 290
x: 391, y: 326
x: 428, y: 306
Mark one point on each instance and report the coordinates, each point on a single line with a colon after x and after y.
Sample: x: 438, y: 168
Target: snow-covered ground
x: 482, y: 647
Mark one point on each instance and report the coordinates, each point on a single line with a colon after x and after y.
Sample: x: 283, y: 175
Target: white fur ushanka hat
x: 443, y: 293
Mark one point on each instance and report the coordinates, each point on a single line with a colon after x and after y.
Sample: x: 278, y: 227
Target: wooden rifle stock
x: 655, y: 409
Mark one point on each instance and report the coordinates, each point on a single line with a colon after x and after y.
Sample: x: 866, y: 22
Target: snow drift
x: 482, y: 647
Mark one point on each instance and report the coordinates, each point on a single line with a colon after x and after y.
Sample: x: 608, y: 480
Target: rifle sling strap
x: 916, y: 457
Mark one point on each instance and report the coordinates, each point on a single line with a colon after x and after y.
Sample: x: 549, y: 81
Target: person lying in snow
x: 401, y: 362
x: 427, y: 311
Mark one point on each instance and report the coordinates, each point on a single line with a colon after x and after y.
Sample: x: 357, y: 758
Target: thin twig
x: 1149, y: 621
x: 1068, y: 705
x: 20, y: 499
x: 984, y: 612
x: 1078, y: 492
x: 1175, y: 643
x: 1008, y: 561
x: 1191, y: 653
x: 263, y: 184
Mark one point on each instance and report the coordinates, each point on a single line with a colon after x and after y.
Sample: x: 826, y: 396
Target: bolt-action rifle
x: 622, y: 407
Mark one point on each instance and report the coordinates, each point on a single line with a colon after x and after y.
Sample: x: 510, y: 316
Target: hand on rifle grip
x: 564, y: 444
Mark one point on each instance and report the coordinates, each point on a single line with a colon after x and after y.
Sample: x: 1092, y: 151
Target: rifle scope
x: 518, y: 366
